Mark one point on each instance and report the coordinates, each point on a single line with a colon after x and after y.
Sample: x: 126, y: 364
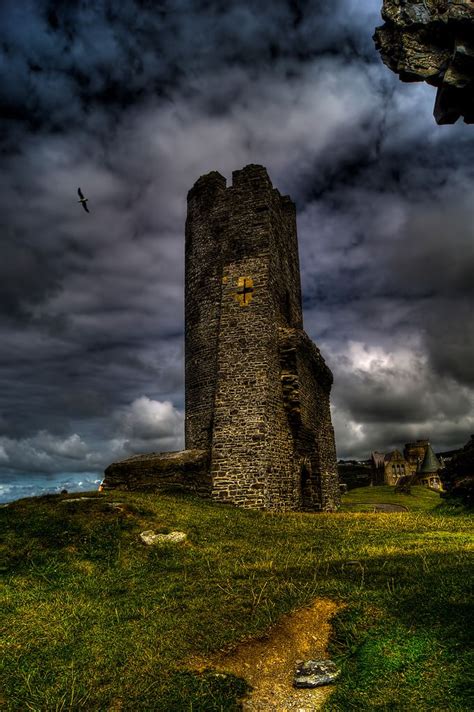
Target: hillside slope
x: 97, y: 620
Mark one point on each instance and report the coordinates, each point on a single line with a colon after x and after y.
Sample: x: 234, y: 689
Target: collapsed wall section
x: 306, y: 382
x: 186, y: 471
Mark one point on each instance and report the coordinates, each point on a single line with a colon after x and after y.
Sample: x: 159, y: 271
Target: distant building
x: 418, y: 462
x: 415, y: 452
x: 395, y: 466
x: 428, y: 474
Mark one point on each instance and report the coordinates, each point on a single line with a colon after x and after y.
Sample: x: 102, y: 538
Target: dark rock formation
x: 432, y: 41
x: 458, y: 476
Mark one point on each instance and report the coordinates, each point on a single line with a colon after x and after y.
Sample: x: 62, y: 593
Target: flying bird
x: 82, y: 200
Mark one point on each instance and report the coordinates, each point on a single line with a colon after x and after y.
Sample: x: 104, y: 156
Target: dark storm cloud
x: 388, y: 243
x: 412, y: 247
x: 132, y: 102
x: 24, y: 264
x: 61, y: 63
x: 143, y: 425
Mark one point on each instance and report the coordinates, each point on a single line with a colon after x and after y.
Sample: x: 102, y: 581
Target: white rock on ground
x: 149, y: 537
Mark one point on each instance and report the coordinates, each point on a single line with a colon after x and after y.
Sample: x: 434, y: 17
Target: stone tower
x: 257, y: 388
x: 258, y: 426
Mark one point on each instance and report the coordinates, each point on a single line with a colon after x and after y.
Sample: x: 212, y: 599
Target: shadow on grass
x: 404, y: 640
x: 56, y: 527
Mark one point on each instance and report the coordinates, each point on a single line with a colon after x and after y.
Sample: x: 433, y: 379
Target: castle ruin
x: 258, y: 429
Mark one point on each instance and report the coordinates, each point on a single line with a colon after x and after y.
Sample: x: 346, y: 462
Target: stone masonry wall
x: 187, y: 470
x: 316, y: 381
x: 205, y: 230
x: 258, y: 458
x: 306, y: 384
x: 252, y: 451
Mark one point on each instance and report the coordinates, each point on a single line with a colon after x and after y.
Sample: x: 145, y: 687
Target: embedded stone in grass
x: 78, y: 499
x: 314, y: 673
x: 149, y: 537
x: 92, y: 499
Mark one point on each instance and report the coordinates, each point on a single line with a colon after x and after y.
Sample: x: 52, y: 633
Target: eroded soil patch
x: 268, y: 663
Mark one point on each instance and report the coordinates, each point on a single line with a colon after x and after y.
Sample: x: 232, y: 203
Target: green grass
x: 421, y: 498
x: 95, y: 620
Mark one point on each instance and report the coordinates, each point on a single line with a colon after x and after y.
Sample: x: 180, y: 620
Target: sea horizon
x: 38, y: 485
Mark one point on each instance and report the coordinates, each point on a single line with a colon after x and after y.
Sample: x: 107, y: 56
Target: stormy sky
x: 133, y: 101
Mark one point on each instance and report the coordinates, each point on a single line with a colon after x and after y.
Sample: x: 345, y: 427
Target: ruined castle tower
x: 258, y: 426
x: 257, y: 388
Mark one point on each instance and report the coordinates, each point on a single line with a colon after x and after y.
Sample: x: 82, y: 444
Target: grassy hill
x: 96, y: 620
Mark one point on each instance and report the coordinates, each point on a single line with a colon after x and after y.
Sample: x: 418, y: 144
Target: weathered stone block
x: 187, y: 470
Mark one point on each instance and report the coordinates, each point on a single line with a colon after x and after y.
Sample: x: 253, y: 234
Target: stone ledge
x: 187, y: 470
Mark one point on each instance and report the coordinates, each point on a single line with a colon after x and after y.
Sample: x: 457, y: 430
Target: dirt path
x: 268, y: 663
x: 390, y: 508
x: 380, y: 507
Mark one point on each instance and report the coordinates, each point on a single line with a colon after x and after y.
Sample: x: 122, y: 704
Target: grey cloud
x: 383, y: 399
x: 62, y: 61
x: 449, y: 337
x: 144, y: 424
x: 24, y: 264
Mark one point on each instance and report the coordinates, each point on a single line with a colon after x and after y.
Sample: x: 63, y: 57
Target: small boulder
x: 149, y: 537
x: 314, y: 673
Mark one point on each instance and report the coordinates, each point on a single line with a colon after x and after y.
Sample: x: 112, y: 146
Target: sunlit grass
x: 96, y: 620
x: 421, y: 499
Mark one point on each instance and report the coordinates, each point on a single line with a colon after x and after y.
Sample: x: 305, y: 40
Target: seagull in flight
x: 82, y: 200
